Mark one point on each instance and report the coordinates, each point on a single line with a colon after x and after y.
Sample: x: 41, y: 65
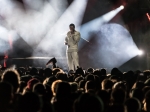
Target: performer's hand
x: 66, y: 43
x: 72, y: 31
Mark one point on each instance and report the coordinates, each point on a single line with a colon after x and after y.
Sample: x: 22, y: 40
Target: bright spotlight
x: 94, y: 25
x: 121, y: 7
x: 140, y: 52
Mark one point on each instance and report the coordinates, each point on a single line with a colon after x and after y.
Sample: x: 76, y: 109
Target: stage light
x: 148, y: 16
x: 140, y: 52
x: 92, y: 27
x: 121, y: 7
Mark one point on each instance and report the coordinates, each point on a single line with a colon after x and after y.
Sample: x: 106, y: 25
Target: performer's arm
x: 66, y: 41
x: 76, y: 38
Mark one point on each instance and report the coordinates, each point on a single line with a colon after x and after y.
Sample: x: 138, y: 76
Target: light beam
x: 57, y: 34
x: 92, y: 27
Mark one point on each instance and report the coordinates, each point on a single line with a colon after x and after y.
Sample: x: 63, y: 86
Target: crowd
x: 92, y: 90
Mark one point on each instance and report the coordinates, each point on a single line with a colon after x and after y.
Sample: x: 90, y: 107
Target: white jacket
x: 72, y: 41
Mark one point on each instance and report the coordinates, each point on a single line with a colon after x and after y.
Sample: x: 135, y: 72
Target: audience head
x: 114, y: 71
x: 138, y: 85
x: 78, y: 79
x: 132, y: 105
x: 41, y: 72
x: 137, y: 93
x: 90, y: 85
x: 106, y: 84
x: 105, y: 96
x: 114, y: 78
x: 39, y: 89
x: 49, y: 80
x: 88, y: 103
x: 89, y: 77
x: 34, y: 71
x: 74, y: 87
x: 56, y: 70
x: 63, y: 90
x: 147, y: 102
x: 30, y: 102
x: 147, y: 82
x: 31, y: 83
x: 146, y: 89
x: 97, y: 72
x: 13, y: 77
x: 47, y: 72
x: 22, y: 86
x: 121, y: 85
x: 6, y: 94
x: 25, y: 78
x: 80, y: 71
x: 90, y: 70
x: 54, y: 86
x: 103, y: 72
x: 82, y: 84
x: 118, y: 96
x: 61, y: 76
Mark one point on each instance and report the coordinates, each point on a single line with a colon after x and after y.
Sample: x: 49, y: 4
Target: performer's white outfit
x: 72, y: 49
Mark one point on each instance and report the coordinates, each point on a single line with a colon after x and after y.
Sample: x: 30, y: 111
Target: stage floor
x: 36, y: 61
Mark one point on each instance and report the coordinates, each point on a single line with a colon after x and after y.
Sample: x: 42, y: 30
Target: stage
x: 36, y: 62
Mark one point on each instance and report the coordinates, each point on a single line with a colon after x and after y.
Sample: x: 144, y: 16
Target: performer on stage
x: 71, y: 41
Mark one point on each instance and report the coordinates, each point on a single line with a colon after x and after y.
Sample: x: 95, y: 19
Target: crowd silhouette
x: 55, y: 90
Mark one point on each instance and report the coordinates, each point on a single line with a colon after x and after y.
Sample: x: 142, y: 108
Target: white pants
x: 73, y: 60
